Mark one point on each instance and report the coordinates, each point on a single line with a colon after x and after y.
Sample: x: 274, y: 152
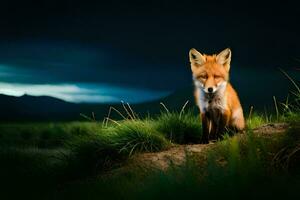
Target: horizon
x: 272, y: 83
x: 82, y: 93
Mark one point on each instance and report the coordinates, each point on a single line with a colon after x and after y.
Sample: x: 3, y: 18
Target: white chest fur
x: 216, y: 101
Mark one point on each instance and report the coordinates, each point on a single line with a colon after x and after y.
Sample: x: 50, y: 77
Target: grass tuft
x: 180, y: 128
x: 138, y: 136
x: 90, y: 155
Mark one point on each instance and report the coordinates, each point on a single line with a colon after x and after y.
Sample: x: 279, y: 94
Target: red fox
x: 219, y: 105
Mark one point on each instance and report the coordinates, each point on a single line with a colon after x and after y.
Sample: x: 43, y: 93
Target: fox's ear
x: 224, y: 58
x: 196, y: 57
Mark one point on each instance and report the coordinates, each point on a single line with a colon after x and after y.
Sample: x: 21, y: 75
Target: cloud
x: 82, y: 93
x: 43, y: 62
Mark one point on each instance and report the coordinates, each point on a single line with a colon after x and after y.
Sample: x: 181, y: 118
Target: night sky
x: 85, y: 51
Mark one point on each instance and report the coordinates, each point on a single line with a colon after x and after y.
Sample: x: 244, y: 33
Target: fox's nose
x: 210, y: 89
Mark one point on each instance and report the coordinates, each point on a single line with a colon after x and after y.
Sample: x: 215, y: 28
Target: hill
x: 45, y: 108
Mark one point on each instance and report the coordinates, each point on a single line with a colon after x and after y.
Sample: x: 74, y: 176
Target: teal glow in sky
x: 82, y: 93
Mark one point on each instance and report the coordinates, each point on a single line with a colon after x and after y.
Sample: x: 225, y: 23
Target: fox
x: 218, y: 102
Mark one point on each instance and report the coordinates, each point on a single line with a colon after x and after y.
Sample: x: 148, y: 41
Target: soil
x: 178, y: 153
x: 271, y: 128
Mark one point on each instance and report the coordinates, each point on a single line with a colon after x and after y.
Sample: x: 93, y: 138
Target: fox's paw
x: 204, y: 141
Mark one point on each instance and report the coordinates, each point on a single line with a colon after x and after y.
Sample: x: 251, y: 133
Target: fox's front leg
x: 223, y: 121
x: 205, y: 128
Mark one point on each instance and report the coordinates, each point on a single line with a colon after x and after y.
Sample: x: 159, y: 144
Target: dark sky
x: 142, y: 45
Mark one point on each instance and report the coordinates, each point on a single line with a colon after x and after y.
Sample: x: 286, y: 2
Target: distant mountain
x: 34, y: 108
x: 45, y: 108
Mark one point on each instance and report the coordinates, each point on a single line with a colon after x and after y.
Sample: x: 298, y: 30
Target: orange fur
x: 218, y: 102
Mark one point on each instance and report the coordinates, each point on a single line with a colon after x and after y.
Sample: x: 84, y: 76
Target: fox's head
x: 210, y: 72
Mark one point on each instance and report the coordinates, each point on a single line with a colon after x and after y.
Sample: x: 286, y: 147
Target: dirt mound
x: 175, y: 156
x: 178, y: 153
x: 271, y: 128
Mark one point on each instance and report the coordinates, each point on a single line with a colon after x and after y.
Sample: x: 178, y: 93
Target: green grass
x: 72, y: 167
x: 40, y: 156
x: 44, y: 135
x: 180, y: 128
x: 138, y: 136
x: 259, y: 119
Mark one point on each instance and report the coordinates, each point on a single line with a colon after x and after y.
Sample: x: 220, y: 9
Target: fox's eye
x: 202, y: 77
x: 217, y: 77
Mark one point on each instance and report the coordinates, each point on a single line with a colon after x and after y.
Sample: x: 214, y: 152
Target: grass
x: 83, y: 151
x: 180, y: 128
x: 43, y: 135
x: 67, y: 160
x: 138, y: 136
